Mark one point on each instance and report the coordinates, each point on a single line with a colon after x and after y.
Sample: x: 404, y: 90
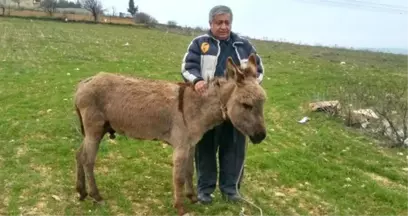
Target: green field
x: 317, y: 168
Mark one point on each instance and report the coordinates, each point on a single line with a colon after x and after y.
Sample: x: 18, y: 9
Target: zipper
x: 218, y: 55
x: 236, y: 51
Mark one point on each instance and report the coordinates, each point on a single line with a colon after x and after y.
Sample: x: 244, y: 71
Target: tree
x: 3, y: 6
x: 172, y: 24
x: 93, y: 6
x: 113, y: 11
x: 68, y: 4
x: 132, y: 9
x: 49, y: 6
x: 17, y: 2
x: 145, y: 18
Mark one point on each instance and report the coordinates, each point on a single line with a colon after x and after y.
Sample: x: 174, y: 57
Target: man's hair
x: 219, y: 9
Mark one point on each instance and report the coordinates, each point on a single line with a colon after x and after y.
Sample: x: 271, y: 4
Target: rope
x: 236, y: 185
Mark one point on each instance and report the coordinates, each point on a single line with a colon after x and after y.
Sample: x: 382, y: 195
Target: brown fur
x: 182, y: 88
x: 161, y: 110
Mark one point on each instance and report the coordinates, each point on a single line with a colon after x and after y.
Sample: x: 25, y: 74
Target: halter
x: 223, y: 107
x: 224, y: 111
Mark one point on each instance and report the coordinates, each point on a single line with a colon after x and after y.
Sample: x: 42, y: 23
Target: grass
x: 316, y: 168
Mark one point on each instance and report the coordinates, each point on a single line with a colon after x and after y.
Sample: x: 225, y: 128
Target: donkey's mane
x: 182, y: 88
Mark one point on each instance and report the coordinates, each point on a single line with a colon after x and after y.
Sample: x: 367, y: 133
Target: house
x: 21, y: 3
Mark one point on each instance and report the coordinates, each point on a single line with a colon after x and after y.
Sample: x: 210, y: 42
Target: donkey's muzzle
x: 258, y: 137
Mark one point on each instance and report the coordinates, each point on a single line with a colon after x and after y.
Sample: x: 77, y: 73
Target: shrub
x: 144, y: 18
x: 377, y: 108
x: 172, y: 24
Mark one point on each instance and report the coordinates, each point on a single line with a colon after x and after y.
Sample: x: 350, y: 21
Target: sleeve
x: 260, y: 66
x: 191, y: 64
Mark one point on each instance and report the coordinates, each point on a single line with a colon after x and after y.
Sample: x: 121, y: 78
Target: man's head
x: 220, y: 19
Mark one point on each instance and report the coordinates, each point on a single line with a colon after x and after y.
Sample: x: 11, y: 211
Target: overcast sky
x: 299, y: 21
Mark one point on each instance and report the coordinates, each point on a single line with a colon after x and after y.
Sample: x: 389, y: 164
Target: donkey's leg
x: 180, y: 159
x: 91, y: 148
x: 190, y: 192
x: 80, y: 181
x: 94, y: 123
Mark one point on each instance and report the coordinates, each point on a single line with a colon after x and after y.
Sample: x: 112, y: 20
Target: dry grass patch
x: 385, y: 181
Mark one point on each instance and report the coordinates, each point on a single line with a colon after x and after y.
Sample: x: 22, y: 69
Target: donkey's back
x: 136, y: 107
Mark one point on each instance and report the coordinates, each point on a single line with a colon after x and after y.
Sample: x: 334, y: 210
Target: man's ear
x: 251, y: 70
x: 232, y: 71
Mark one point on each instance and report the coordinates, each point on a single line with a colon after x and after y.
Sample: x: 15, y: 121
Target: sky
x: 297, y: 21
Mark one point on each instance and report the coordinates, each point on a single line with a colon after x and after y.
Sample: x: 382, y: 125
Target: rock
x: 279, y: 194
x: 369, y: 113
x: 325, y: 106
x: 361, y: 117
x: 56, y: 197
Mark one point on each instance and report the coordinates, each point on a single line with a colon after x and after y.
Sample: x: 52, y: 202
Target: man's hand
x: 201, y: 87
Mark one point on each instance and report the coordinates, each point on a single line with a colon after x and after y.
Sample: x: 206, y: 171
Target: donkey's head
x: 244, y: 99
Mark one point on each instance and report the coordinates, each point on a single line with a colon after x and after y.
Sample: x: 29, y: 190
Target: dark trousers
x: 230, y: 144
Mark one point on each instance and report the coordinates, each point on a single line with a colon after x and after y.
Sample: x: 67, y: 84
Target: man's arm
x: 191, y: 65
x: 259, y: 63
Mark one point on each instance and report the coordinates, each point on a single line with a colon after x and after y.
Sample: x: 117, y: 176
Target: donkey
x: 171, y: 112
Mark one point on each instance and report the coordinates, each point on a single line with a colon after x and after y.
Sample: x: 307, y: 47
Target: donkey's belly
x: 147, y: 125
x: 144, y: 110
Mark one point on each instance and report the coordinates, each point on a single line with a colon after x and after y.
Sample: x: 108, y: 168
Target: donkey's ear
x: 251, y: 69
x: 232, y: 71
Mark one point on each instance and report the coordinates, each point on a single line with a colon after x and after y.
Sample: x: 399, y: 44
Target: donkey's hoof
x: 82, y: 196
x: 96, y: 197
x: 193, y: 198
x: 99, y: 203
x: 182, y: 212
x: 180, y: 209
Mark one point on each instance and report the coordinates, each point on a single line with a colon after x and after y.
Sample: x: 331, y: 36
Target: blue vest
x: 206, y: 57
x: 227, y: 50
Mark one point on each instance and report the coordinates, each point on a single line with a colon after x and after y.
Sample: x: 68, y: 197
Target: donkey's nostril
x: 258, y: 137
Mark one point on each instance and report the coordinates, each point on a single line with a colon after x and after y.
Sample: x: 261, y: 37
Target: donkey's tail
x: 80, y: 120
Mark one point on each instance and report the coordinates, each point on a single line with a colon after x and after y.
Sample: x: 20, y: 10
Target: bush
x: 377, y: 108
x: 172, y: 24
x: 144, y: 18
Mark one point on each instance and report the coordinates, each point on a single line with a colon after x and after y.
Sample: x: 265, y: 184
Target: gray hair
x: 219, y: 9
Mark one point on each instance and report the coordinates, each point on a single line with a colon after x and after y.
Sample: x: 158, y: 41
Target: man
x: 205, y: 58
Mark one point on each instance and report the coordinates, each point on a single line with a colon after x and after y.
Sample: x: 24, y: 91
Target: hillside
x: 321, y: 167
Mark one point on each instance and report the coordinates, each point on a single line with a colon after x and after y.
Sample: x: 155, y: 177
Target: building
x: 21, y: 3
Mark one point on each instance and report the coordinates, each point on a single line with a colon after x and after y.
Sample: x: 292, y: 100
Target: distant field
x: 79, y: 15
x: 301, y: 169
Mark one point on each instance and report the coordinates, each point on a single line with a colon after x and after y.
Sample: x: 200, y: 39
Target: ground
x: 320, y: 167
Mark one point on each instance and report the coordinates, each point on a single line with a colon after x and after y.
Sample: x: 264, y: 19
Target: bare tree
x: 3, y: 6
x: 49, y: 6
x: 378, y: 110
x: 93, y: 6
x: 113, y: 11
x: 145, y: 18
x: 17, y: 2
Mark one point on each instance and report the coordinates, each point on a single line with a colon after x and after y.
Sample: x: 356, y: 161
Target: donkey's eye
x: 247, y: 106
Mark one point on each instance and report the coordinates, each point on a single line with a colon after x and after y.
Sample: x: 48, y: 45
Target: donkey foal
x: 161, y: 110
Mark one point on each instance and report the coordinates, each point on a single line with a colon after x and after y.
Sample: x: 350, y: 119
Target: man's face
x: 221, y: 26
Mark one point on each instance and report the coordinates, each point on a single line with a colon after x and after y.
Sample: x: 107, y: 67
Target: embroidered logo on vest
x: 205, y: 47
